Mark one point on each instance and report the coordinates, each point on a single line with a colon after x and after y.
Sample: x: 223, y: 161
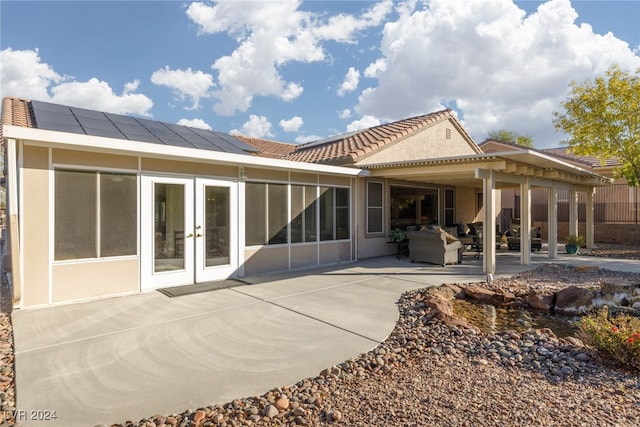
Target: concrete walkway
x: 127, y: 358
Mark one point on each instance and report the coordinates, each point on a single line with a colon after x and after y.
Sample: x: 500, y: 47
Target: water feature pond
x: 490, y: 319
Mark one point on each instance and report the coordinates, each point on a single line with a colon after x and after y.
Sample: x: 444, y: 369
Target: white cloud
x: 375, y: 69
x: 23, y: 74
x: 131, y: 86
x: 98, y: 95
x: 342, y: 28
x: 503, y: 69
x: 309, y: 138
x: 256, y: 126
x: 185, y: 83
x: 350, y: 82
x: 345, y: 114
x: 291, y: 125
x: 269, y: 35
x: 364, y: 123
x: 195, y: 123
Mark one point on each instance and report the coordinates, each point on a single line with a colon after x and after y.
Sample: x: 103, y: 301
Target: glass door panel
x: 216, y: 219
x: 216, y: 232
x: 167, y: 232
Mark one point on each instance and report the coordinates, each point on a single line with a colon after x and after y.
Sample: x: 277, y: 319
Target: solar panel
x: 92, y: 114
x: 60, y: 127
x: 235, y: 142
x: 108, y: 133
x: 83, y: 121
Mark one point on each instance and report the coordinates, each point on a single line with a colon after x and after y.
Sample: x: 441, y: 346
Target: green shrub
x: 617, y: 338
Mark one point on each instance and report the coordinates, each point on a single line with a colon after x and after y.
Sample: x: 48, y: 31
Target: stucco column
x: 525, y: 222
x: 590, y: 217
x: 552, y: 220
x: 489, y: 228
x: 13, y: 219
x: 573, y: 212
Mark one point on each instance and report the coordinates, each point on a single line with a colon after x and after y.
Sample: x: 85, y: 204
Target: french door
x: 189, y: 231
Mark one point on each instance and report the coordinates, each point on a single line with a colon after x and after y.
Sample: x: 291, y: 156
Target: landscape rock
x: 480, y: 294
x: 543, y: 300
x: 574, y: 300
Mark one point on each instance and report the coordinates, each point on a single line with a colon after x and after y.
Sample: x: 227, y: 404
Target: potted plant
x: 573, y: 243
x: 397, y: 235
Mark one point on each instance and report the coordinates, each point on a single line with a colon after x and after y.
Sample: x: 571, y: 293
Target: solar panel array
x: 88, y: 122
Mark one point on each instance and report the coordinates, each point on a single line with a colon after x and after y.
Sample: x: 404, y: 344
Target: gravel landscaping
x: 434, y: 371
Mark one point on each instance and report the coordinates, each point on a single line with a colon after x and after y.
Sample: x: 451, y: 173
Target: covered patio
x: 489, y: 173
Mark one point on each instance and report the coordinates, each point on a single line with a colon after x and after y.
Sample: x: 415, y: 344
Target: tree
x: 602, y: 119
x: 512, y: 137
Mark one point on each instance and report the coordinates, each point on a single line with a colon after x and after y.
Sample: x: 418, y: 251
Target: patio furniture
x: 513, y: 238
x: 434, y: 246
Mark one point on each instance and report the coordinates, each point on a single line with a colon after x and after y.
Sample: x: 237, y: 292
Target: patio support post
x: 590, y: 218
x: 489, y: 229
x: 552, y: 220
x: 525, y: 222
x: 573, y: 212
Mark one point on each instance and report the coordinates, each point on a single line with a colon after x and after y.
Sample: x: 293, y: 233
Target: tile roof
x: 16, y: 112
x: 349, y: 147
x: 267, y: 148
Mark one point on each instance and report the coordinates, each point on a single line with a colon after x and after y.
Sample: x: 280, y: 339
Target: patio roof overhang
x: 510, y: 169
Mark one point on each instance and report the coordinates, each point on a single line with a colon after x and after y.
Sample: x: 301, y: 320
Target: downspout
x: 12, y: 223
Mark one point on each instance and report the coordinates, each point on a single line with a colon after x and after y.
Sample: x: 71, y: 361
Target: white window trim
x: 382, y: 207
x: 97, y: 170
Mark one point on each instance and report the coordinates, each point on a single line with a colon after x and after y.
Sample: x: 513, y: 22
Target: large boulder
x: 480, y: 294
x: 486, y: 296
x: 574, y: 300
x: 543, y: 300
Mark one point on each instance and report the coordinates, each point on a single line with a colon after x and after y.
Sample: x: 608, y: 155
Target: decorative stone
x: 480, y: 294
x: 574, y: 300
x: 282, y: 403
x: 198, y: 416
x: 271, y: 411
x: 541, y: 300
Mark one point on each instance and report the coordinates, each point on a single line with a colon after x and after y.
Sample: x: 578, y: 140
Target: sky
x: 297, y: 71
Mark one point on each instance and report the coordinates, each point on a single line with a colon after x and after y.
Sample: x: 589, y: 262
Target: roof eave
x: 165, y: 151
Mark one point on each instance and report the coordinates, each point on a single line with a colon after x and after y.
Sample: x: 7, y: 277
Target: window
x: 266, y: 214
x: 374, y: 207
x: 449, y: 207
x: 95, y: 214
x: 303, y: 214
x: 342, y: 213
x: 334, y: 213
x: 410, y: 206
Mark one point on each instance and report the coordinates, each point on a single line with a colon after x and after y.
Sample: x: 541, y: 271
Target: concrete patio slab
x: 126, y: 358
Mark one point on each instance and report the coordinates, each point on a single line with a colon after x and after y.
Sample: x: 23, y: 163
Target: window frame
x: 369, y: 207
x: 97, y: 171
x: 318, y: 213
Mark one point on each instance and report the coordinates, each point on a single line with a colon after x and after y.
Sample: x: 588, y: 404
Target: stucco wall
x: 92, y: 279
x: 430, y: 143
x: 35, y: 217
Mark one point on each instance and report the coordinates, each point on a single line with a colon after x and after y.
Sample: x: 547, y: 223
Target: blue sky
x: 296, y: 71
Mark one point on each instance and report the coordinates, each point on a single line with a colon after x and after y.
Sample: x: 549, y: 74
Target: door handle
x: 198, y: 235
x: 189, y: 235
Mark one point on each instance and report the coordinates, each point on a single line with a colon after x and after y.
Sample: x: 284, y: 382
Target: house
x: 616, y: 207
x: 101, y: 204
